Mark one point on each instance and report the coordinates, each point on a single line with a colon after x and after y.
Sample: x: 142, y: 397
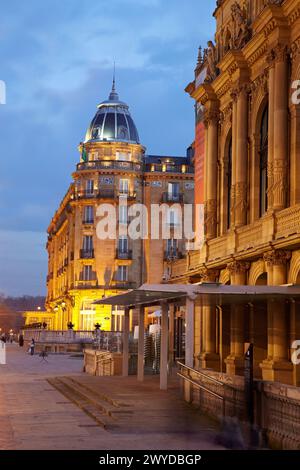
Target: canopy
x: 206, y: 294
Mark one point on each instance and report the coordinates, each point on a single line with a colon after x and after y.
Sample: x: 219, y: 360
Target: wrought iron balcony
x: 87, y: 254
x: 88, y: 221
x: 124, y: 254
x: 172, y: 255
x: 107, y: 194
x: 127, y: 194
x: 110, y: 165
x: 168, y: 197
x: 127, y: 285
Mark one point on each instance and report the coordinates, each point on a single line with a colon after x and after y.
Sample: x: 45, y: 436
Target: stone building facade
x: 244, y: 89
x: 114, y: 171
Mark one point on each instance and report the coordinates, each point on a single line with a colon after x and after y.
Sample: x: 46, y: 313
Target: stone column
x: 171, y: 333
x: 280, y: 161
x: 271, y: 129
x: 235, y: 361
x: 211, y: 170
x: 164, y: 347
x: 189, y: 332
x: 234, y: 157
x: 125, y: 359
x: 277, y: 366
x: 141, y: 344
x: 241, y: 158
x: 209, y: 359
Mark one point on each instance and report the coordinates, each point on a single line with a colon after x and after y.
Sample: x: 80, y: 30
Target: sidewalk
x: 34, y: 415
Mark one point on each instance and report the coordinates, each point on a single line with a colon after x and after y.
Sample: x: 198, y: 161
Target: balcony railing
x: 119, y: 284
x: 127, y: 194
x: 172, y: 255
x: 87, y: 254
x: 168, y: 197
x: 88, y: 221
x: 125, y: 255
x: 110, y: 165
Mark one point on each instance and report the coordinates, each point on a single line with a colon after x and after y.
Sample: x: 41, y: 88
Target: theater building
x: 247, y: 158
x: 114, y: 170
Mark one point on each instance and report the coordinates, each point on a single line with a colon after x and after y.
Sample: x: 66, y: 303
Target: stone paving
x: 33, y: 415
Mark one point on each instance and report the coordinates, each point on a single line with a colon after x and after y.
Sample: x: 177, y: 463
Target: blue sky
x: 56, y: 60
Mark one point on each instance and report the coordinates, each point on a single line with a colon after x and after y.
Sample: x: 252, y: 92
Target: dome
x: 113, y: 122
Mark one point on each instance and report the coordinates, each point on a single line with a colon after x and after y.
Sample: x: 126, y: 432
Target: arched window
x: 229, y: 184
x: 263, y: 154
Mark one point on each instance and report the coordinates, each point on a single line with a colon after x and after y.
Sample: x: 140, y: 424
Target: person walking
x: 21, y: 341
x: 31, y: 347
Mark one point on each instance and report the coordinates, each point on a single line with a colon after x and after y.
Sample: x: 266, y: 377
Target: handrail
x: 201, y: 386
x: 206, y: 376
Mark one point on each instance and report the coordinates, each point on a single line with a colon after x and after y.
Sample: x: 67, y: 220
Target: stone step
x: 81, y: 401
x: 96, y: 399
x: 96, y: 392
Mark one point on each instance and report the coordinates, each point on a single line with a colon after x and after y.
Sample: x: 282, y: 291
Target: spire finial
x: 114, y: 95
x: 114, y: 79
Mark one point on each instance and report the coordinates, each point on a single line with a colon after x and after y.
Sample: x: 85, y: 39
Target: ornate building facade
x: 114, y: 172
x: 248, y: 161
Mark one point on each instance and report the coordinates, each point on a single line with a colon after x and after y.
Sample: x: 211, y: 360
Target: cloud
x: 56, y: 59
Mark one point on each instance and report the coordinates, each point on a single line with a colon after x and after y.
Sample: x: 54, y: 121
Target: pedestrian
x: 21, y: 341
x: 31, y: 347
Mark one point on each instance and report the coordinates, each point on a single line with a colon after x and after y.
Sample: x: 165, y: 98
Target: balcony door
x: 173, y: 191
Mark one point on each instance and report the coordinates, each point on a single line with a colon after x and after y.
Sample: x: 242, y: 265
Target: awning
x: 206, y: 294
x: 141, y: 296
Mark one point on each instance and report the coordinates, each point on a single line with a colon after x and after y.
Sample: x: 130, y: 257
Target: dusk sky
x: 57, y: 61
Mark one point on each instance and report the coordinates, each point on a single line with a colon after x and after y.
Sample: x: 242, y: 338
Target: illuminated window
x: 123, y: 156
x: 89, y: 186
x: 88, y: 217
x: 123, y: 186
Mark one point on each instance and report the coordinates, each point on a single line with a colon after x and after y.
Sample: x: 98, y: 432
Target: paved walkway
x: 34, y: 415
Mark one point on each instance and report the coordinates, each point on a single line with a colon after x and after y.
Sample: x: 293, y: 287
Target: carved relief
x: 279, y: 182
x: 241, y: 205
x: 238, y: 267
x: 208, y: 275
x: 277, y: 257
x: 211, y: 59
x: 210, y: 218
x: 240, y: 29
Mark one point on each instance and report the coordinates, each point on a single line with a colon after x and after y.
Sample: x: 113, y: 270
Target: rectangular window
x: 173, y: 191
x: 123, y: 186
x: 123, y: 156
x: 88, y: 217
x: 172, y: 246
x: 122, y: 273
x: 123, y: 244
x: 87, y: 243
x: 89, y: 186
x: 87, y: 272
